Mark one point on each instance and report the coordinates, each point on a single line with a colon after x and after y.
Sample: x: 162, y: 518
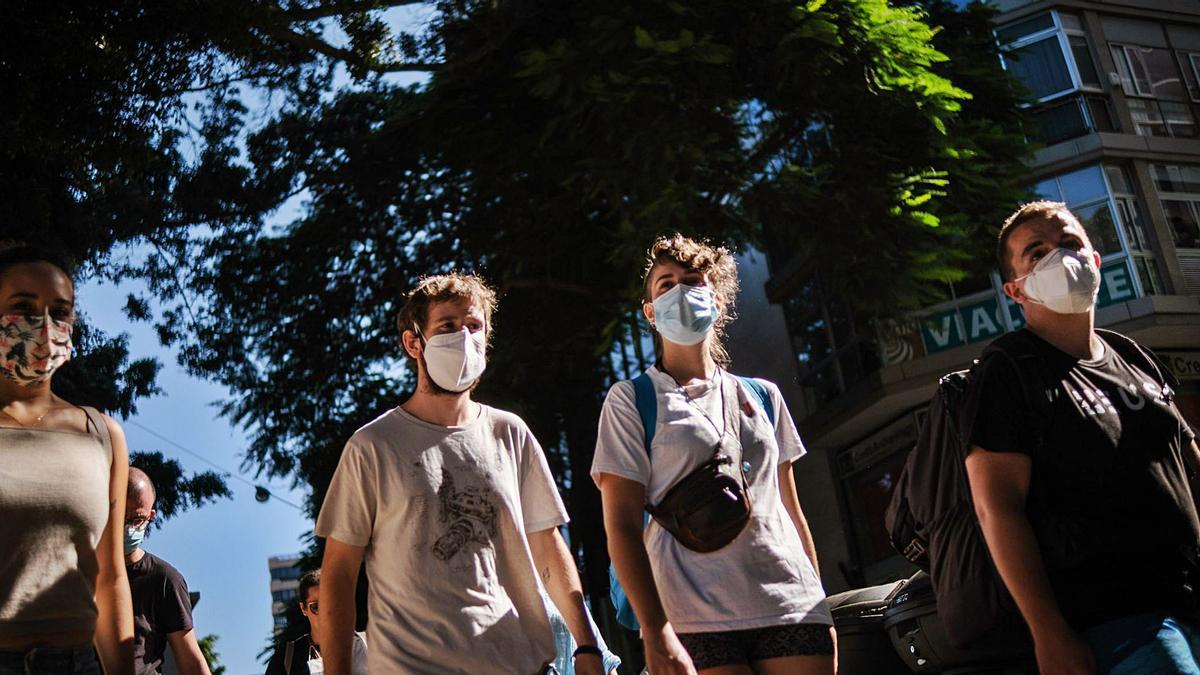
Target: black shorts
x: 710, y: 650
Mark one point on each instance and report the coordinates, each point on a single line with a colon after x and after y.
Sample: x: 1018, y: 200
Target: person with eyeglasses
x: 302, y: 656
x: 162, y: 606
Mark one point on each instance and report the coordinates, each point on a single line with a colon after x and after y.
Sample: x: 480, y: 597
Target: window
x: 1086, y: 194
x: 1049, y: 54
x: 1179, y: 188
x: 1189, y: 64
x: 1147, y: 71
x: 286, y: 595
x: 284, y: 573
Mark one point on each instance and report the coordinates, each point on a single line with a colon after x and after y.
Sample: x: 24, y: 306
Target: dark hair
x: 1039, y: 210
x: 18, y: 253
x: 308, y: 580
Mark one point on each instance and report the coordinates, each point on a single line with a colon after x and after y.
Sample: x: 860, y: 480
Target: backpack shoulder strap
x: 760, y: 392
x: 289, y: 655
x: 646, y: 401
x: 1130, y: 350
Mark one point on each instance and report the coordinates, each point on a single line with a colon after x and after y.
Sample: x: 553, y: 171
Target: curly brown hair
x: 442, y: 288
x: 716, y: 263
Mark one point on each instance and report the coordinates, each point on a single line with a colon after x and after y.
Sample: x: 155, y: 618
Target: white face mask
x: 1064, y: 281
x: 685, y: 314
x: 455, y: 360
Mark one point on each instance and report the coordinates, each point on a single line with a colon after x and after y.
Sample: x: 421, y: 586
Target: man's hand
x: 665, y: 655
x: 589, y: 664
x: 1061, y: 652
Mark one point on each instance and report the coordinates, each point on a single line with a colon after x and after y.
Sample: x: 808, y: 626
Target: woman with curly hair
x: 723, y: 579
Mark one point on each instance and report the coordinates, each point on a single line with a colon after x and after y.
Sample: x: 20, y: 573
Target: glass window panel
x: 1097, y: 220
x: 1018, y: 30
x: 1147, y: 270
x: 1169, y: 178
x: 1041, y: 67
x: 1083, y: 61
x: 1137, y: 70
x: 1048, y: 190
x: 1101, y: 112
x: 1147, y: 119
x: 1083, y: 185
x: 1189, y: 64
x: 1070, y: 22
x: 1131, y: 219
x: 1060, y: 121
x: 1181, y: 216
x: 1154, y: 72
x: 1178, y: 118
x: 1123, y: 69
x: 1118, y: 179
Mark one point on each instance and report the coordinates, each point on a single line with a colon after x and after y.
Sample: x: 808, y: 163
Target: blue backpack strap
x: 645, y: 399
x: 760, y: 392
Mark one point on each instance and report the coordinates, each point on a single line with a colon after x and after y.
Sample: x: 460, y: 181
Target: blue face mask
x: 685, y: 314
x: 134, y: 536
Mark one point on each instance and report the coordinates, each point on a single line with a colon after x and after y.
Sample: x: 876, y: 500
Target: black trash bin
x: 917, y: 633
x: 863, y: 645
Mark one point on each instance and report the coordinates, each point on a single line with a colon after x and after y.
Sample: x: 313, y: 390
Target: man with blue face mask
x: 162, y: 607
x: 1079, y: 465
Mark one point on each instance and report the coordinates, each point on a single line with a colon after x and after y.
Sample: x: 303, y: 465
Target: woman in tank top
x: 64, y: 597
x: 746, y: 601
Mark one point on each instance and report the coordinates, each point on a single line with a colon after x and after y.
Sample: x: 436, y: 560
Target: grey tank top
x: 53, y: 509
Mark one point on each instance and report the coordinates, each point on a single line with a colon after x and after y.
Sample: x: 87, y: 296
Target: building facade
x: 285, y: 587
x: 1117, y: 118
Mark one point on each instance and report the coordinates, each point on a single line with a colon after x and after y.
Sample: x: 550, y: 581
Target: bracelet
x: 587, y: 649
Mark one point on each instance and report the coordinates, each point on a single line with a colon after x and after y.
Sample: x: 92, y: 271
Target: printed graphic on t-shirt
x: 470, y: 514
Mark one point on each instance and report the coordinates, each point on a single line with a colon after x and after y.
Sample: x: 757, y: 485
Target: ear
x: 648, y: 311
x: 153, y: 515
x: 411, y: 343
x: 1016, y: 291
x: 1096, y: 258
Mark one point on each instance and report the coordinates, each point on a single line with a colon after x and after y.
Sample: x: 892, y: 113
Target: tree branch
x: 316, y: 44
x: 334, y: 9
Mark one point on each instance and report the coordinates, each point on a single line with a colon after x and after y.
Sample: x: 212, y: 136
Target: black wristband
x: 587, y: 649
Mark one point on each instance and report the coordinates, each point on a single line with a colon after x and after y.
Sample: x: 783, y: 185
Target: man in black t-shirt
x: 1079, y: 467
x: 162, y: 609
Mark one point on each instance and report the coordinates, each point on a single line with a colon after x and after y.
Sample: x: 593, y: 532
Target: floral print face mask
x: 33, y: 347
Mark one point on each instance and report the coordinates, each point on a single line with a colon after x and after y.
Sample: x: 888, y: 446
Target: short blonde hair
x: 443, y: 288
x: 715, y: 262
x: 1039, y: 210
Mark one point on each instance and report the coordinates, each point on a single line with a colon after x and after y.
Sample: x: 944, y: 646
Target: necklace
x: 37, y: 420
x: 720, y: 384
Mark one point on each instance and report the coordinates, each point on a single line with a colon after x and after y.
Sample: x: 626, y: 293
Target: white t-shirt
x: 443, y: 512
x: 763, y: 578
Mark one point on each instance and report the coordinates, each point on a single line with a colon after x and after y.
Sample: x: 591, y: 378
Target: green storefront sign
x: 983, y: 320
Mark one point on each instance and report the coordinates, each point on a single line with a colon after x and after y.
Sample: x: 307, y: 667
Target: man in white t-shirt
x: 453, y: 507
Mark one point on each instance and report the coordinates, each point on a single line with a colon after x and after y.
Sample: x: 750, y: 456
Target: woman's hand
x: 665, y: 654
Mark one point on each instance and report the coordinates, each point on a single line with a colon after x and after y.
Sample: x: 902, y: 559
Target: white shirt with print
x: 443, y: 513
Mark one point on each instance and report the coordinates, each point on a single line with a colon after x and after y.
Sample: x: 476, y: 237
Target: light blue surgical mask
x: 134, y: 536
x: 685, y: 314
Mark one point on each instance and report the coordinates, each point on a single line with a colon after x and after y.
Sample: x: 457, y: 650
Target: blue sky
x: 222, y: 548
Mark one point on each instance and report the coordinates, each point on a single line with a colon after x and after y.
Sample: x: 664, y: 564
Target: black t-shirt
x: 1109, y: 498
x: 161, y: 606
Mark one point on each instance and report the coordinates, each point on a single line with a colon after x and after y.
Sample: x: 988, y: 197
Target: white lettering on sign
x: 1117, y: 281
x: 941, y: 337
x: 981, y: 323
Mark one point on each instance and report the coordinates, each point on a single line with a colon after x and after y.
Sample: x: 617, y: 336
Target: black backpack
x: 931, y: 518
